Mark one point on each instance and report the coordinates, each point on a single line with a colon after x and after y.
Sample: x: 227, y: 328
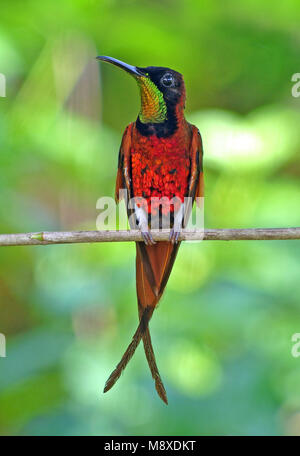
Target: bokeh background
x: 223, y: 330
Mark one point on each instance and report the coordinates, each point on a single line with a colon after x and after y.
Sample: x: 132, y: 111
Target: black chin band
x: 162, y: 129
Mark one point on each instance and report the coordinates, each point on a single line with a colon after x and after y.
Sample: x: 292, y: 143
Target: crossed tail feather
x: 153, y: 267
x: 130, y: 349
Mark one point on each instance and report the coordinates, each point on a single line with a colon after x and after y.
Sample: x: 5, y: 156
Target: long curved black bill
x: 129, y: 68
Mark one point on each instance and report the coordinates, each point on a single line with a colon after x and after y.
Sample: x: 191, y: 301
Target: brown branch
x: 78, y: 237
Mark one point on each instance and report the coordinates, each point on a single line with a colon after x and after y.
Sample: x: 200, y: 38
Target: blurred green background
x: 223, y: 331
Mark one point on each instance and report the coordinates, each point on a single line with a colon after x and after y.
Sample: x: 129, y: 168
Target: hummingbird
x: 160, y: 161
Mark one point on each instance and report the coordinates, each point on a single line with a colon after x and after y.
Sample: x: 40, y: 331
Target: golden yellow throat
x: 153, y: 106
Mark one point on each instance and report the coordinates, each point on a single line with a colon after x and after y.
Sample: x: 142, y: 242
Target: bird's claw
x: 174, y: 236
x: 148, y: 239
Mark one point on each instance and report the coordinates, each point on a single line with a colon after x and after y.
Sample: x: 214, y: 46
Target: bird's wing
x: 123, y: 180
x: 196, y: 179
x: 196, y: 184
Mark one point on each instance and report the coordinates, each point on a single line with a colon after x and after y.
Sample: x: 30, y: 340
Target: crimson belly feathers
x: 160, y: 171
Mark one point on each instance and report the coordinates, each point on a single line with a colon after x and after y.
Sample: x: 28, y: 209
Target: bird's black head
x: 168, y: 82
x: 162, y: 97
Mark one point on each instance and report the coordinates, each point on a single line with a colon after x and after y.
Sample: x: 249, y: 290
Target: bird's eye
x: 167, y: 80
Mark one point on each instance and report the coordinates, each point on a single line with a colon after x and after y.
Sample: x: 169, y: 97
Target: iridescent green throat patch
x: 153, y: 106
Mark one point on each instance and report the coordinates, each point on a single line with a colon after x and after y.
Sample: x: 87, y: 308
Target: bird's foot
x: 142, y: 221
x: 148, y: 238
x: 178, y: 223
x: 174, y: 235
